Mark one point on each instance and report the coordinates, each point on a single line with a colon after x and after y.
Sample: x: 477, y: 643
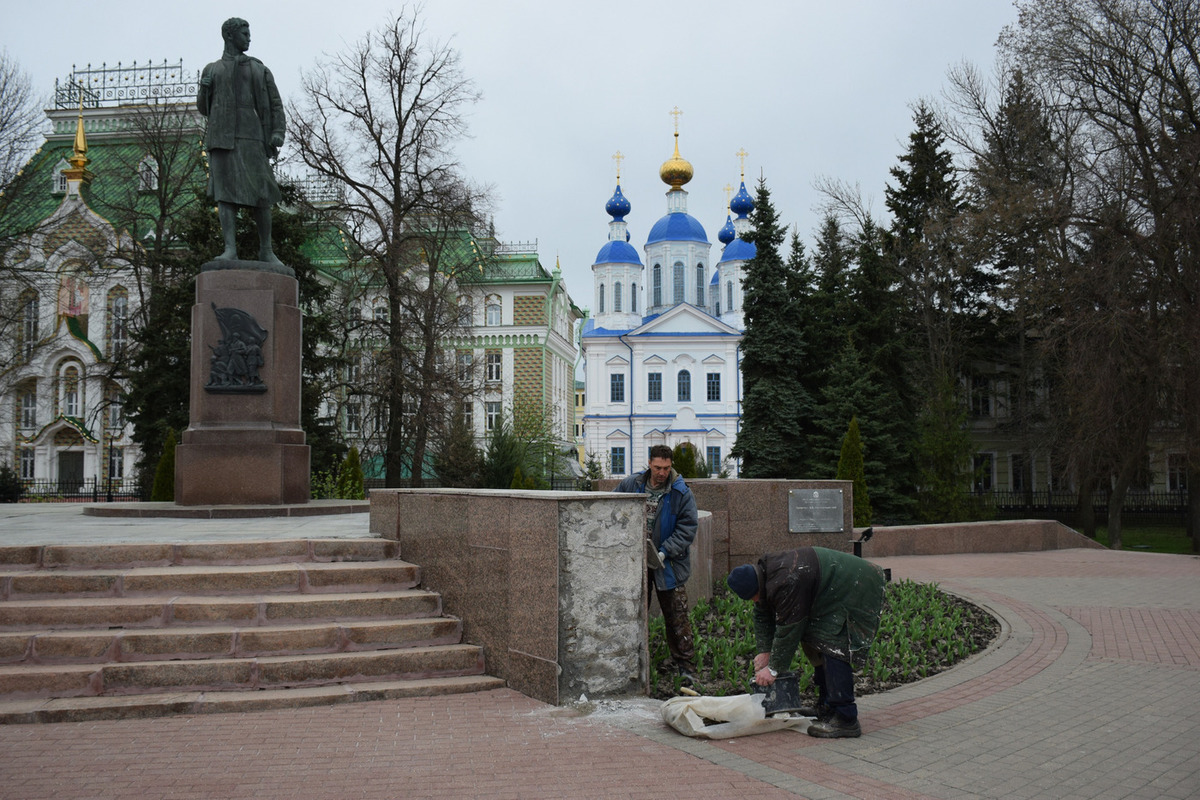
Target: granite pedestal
x: 244, y: 443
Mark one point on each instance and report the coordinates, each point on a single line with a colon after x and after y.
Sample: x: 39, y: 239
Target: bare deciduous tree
x: 379, y: 122
x: 1130, y: 71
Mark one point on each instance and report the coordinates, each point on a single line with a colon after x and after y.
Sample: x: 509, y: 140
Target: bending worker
x: 826, y: 602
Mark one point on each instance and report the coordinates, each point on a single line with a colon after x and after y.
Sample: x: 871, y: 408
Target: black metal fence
x: 1162, y: 506
x: 89, y: 490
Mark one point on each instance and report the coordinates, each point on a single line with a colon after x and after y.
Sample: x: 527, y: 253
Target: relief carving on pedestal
x: 238, y: 356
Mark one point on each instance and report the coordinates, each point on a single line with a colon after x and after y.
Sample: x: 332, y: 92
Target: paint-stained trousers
x: 678, y: 626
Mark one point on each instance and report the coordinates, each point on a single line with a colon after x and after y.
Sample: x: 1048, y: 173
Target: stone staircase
x: 139, y: 630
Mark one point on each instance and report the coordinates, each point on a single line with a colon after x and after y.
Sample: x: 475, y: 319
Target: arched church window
x: 28, y: 410
x: 617, y: 296
x: 494, y: 311
x: 700, y: 285
x: 633, y: 297
x: 147, y: 174
x: 29, y: 324
x: 58, y: 181
x: 602, y: 298
x: 70, y: 392
x: 677, y: 283
x: 683, y: 386
x: 118, y: 320
x: 657, y: 286
x: 729, y: 295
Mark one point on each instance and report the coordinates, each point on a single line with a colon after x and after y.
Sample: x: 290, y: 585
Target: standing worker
x: 826, y: 602
x: 670, y: 529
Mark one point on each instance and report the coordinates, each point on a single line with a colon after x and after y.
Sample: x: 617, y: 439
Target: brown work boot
x: 835, y: 728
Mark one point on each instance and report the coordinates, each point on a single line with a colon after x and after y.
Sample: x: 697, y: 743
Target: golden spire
x: 676, y: 171
x: 741, y: 154
x: 618, y: 157
x: 78, y: 173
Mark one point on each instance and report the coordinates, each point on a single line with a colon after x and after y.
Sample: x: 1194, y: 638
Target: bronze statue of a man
x: 245, y: 129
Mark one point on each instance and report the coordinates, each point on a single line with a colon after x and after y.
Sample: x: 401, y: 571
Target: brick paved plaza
x: 1092, y: 691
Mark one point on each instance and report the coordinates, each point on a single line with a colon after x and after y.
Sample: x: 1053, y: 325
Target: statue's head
x: 232, y: 25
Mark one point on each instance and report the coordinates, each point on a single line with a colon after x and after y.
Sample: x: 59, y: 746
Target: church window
x: 654, y: 387
x: 602, y: 298
x: 494, y: 367
x: 714, y: 387
x: 353, y: 417
x: 700, y: 285
x: 677, y: 283
x: 494, y: 311
x: 70, y: 395
x: 466, y: 311
x: 633, y: 297
x: 29, y: 324
x: 147, y: 174
x: 657, y: 273
x: 28, y: 413
x: 617, y: 461
x: 27, y: 470
x: 492, y: 414
x: 118, y: 320
x: 467, y: 410
x: 381, y: 314
x: 683, y: 386
x: 58, y: 181
x: 616, y: 388
x: 729, y: 295
x: 617, y: 296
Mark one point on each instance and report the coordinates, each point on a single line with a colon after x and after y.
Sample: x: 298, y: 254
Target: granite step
x: 223, y: 641
x: 154, y: 611
x: 367, y: 576
x: 241, y: 674
x: 137, y: 630
x: 92, y: 556
x: 159, y: 704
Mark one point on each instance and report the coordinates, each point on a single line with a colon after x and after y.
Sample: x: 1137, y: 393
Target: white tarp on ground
x: 727, y: 717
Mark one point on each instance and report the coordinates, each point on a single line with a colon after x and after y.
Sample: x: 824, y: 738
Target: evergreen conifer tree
x: 163, y: 490
x: 350, y: 477
x: 458, y: 463
x: 850, y: 468
x: 771, y: 443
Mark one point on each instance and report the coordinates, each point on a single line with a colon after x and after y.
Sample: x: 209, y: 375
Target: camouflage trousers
x: 678, y: 626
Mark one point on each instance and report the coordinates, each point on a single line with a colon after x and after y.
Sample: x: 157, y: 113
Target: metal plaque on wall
x: 815, y: 511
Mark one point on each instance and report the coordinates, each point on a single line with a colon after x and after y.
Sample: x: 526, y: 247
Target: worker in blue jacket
x: 671, y: 521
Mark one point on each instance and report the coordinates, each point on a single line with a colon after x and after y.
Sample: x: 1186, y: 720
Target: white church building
x: 662, y: 352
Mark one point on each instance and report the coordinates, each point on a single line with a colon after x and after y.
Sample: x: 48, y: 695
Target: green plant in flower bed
x: 922, y: 632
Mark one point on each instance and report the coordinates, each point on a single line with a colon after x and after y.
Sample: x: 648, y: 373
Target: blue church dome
x: 617, y: 206
x: 716, y: 279
x: 727, y: 234
x: 618, y: 253
x: 742, y: 204
x: 677, y: 227
x: 738, y: 250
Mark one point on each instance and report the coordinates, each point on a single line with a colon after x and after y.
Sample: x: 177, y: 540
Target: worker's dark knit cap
x: 743, y: 581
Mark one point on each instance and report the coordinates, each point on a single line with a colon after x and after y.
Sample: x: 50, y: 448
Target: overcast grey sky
x: 808, y: 88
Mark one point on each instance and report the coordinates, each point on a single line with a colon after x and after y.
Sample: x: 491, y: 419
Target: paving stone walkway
x: 1092, y: 691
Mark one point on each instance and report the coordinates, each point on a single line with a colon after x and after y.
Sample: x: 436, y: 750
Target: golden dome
x: 675, y: 171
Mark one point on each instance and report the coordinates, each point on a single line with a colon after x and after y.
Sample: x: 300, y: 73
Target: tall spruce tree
x: 942, y: 297
x: 771, y: 443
